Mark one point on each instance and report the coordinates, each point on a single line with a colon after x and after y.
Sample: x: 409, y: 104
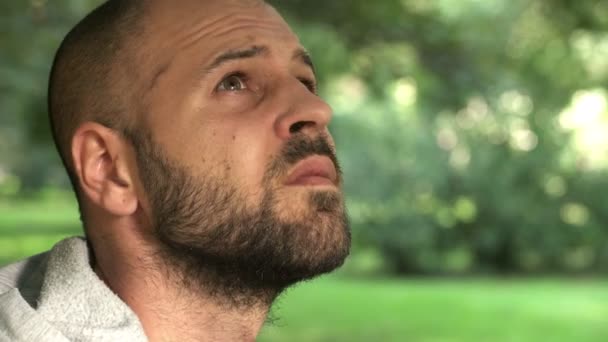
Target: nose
x: 304, y: 112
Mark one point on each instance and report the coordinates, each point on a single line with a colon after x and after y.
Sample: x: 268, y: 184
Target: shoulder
x: 25, y: 275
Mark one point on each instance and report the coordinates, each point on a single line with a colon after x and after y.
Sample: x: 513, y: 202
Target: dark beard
x: 240, y: 256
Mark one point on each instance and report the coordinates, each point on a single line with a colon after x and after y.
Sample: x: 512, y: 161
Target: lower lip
x: 312, y: 180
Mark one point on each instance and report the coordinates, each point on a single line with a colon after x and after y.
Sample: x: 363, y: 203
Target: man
x: 204, y: 171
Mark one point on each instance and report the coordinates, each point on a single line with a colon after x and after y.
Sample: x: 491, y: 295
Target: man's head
x: 197, y: 124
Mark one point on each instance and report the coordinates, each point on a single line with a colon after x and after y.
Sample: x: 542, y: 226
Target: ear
x: 100, y: 158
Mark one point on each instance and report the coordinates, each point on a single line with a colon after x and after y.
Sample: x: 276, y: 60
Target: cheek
x: 250, y: 158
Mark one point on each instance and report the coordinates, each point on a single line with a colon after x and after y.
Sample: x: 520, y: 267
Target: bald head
x: 99, y: 70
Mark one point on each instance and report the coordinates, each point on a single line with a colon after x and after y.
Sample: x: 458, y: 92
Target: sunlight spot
x: 445, y: 218
x: 426, y: 203
x: 475, y: 112
x: 575, y: 214
x: 447, y: 139
x: 523, y: 140
x: 348, y: 93
x: 555, y: 186
x: 514, y: 102
x: 586, y: 109
x: 405, y: 92
x: 465, y: 210
x: 460, y: 158
x: 592, y: 49
x: 587, y: 119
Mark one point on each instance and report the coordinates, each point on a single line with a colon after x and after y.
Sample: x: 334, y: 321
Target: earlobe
x: 100, y: 163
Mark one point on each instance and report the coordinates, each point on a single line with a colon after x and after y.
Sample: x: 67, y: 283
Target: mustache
x: 300, y: 147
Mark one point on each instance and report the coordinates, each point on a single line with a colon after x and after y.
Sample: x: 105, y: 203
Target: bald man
x: 205, y: 175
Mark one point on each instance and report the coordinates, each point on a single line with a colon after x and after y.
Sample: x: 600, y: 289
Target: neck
x: 169, y: 307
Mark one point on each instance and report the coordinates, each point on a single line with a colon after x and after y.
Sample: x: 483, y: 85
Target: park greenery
x: 473, y: 134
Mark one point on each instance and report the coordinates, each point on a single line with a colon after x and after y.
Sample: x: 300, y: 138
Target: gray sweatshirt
x: 56, y: 296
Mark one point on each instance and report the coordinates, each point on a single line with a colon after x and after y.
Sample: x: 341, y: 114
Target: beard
x: 211, y: 241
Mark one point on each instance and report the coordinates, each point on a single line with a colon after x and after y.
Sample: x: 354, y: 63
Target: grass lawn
x: 30, y: 227
x: 337, y: 308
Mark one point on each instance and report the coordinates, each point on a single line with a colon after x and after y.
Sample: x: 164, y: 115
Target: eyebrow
x: 231, y: 55
x: 305, y: 58
x: 255, y: 51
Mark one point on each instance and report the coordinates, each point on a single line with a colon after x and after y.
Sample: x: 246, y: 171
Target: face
x: 238, y: 168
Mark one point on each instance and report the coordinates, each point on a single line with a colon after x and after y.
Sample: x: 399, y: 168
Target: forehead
x: 185, y: 22
x: 184, y: 37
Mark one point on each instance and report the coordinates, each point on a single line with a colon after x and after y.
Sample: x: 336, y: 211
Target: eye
x: 233, y: 82
x: 309, y: 83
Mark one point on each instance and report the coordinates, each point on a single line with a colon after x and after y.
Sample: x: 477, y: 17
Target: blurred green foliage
x: 473, y: 135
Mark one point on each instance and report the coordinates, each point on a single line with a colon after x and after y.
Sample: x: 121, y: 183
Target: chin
x: 297, y: 203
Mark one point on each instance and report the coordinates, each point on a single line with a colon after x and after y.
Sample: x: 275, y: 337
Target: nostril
x: 297, y: 127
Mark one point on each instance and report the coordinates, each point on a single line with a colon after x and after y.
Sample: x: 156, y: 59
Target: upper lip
x: 317, y: 165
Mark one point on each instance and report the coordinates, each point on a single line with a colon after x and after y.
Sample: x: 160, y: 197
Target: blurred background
x: 474, y: 139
